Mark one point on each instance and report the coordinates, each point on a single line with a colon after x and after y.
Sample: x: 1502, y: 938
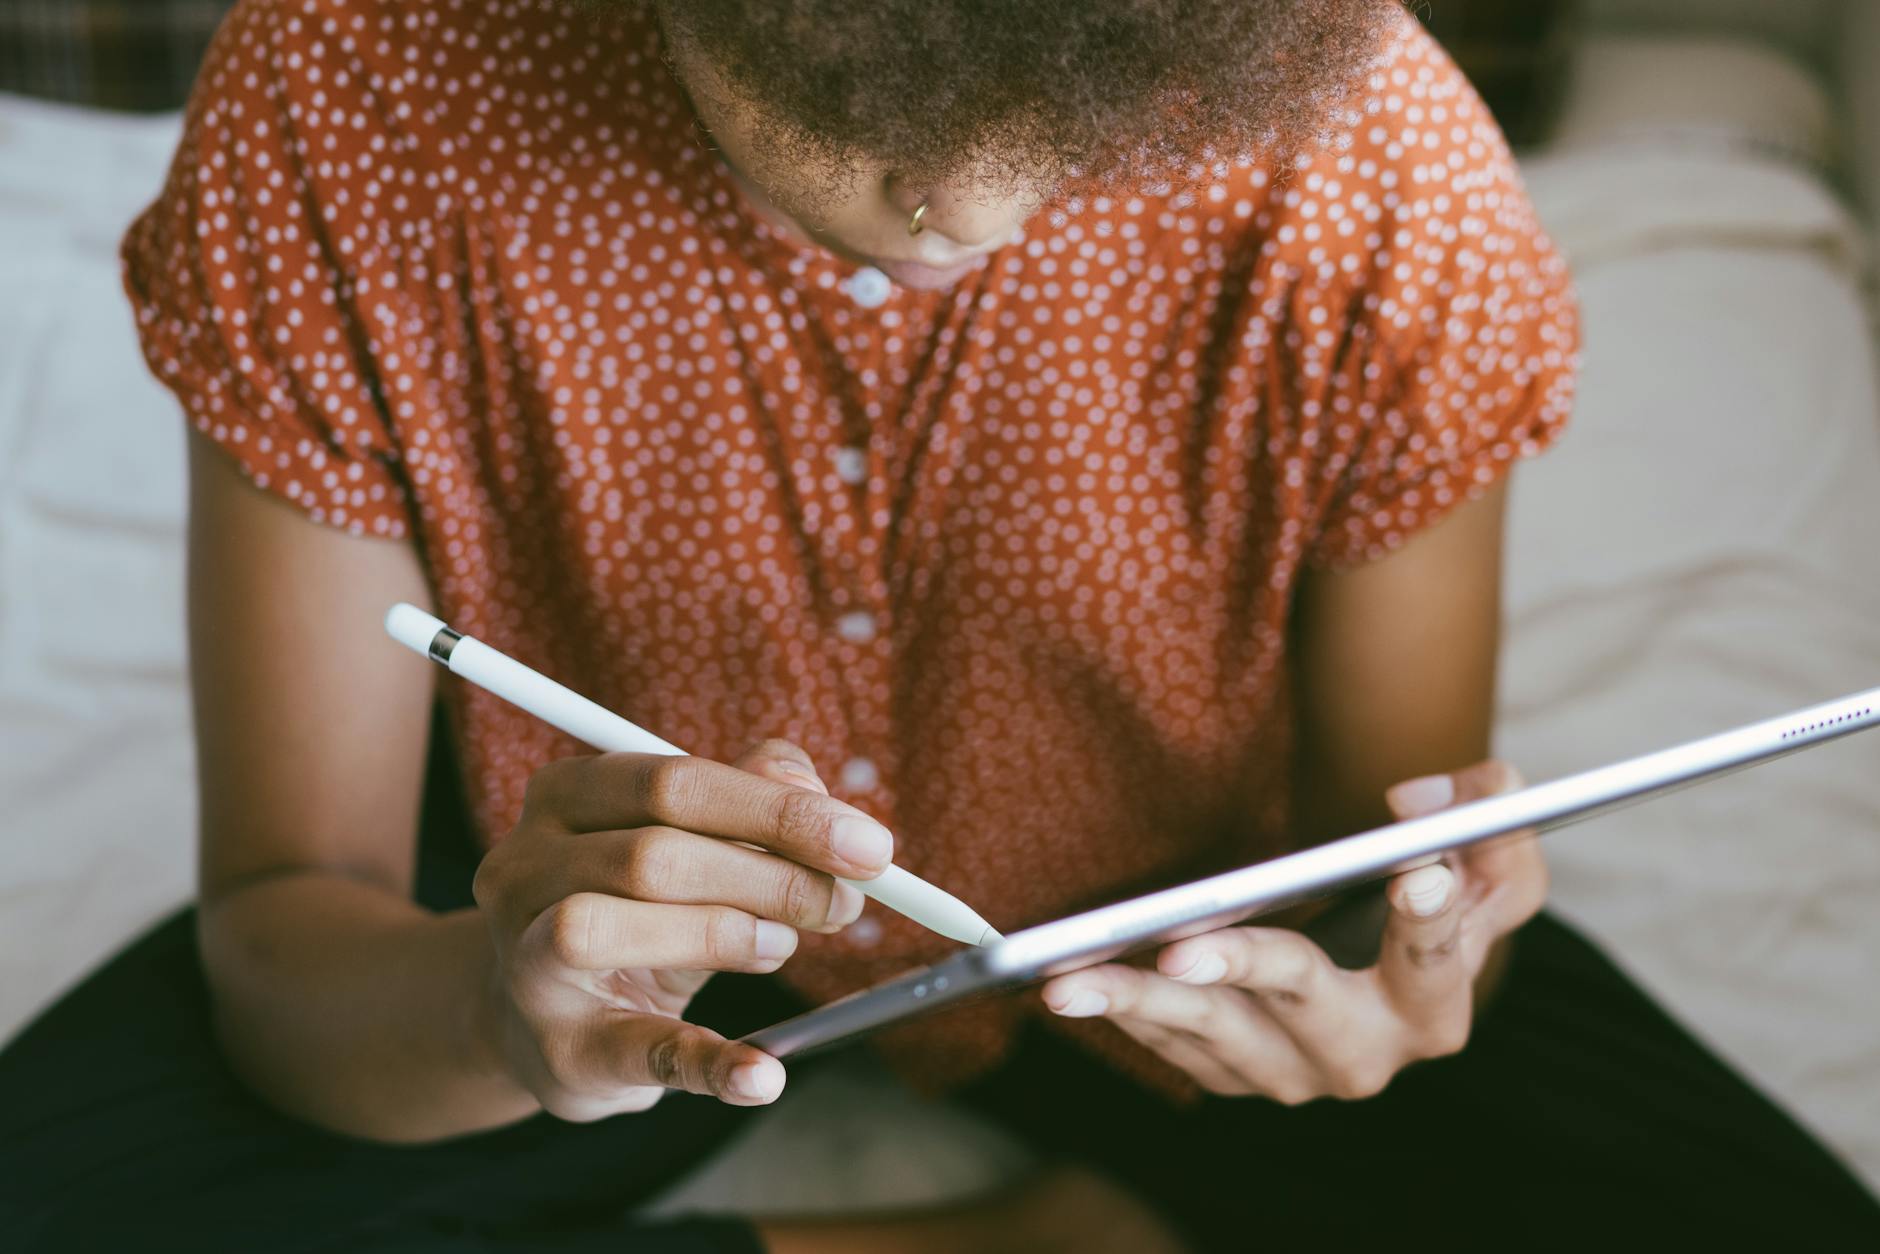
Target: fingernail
x: 1206, y: 969
x: 1083, y: 1003
x: 759, y: 1081
x: 861, y: 841
x: 775, y: 940
x: 1423, y: 796
x: 845, y: 905
x: 1426, y: 891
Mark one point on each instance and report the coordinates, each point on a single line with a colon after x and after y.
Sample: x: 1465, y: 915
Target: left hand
x: 1261, y: 1010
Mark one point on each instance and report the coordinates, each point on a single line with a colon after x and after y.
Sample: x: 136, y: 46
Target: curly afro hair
x: 1007, y: 89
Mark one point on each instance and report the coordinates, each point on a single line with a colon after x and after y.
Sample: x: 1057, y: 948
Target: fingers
x: 1225, y: 1043
x: 682, y: 868
x: 787, y: 764
x: 1487, y: 779
x: 1348, y: 1040
x: 1294, y: 982
x: 595, y: 932
x: 1115, y: 991
x: 1279, y: 966
x: 1425, y: 795
x: 638, y: 1049
x: 1506, y: 879
x: 1512, y: 873
x: 1190, y: 1054
x: 782, y: 761
x: 1422, y: 965
x: 617, y: 791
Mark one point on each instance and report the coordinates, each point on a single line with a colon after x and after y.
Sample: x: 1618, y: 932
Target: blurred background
x: 1701, y: 550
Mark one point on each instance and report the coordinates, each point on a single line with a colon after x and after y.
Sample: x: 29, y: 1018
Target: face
x: 861, y: 211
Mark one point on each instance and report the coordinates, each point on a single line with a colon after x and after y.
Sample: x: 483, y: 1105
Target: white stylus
x: 496, y: 672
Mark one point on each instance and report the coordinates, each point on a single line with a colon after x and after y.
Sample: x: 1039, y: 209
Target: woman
x: 1060, y: 448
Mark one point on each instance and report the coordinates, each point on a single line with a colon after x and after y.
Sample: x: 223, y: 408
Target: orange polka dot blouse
x: 1012, y: 561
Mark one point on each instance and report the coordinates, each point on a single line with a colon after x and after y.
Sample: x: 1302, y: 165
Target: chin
x: 925, y: 278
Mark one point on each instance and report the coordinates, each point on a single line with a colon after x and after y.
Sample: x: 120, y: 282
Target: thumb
x: 1507, y: 872
x: 1420, y: 962
x: 651, y: 1049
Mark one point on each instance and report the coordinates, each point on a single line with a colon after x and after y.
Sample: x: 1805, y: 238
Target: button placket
x: 849, y: 492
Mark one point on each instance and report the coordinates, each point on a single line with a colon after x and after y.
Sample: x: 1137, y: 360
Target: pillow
x: 1693, y: 93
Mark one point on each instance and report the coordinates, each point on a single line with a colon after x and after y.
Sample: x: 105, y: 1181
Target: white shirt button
x: 864, y: 931
x: 857, y: 627
x: 851, y: 464
x: 859, y: 775
x: 869, y: 287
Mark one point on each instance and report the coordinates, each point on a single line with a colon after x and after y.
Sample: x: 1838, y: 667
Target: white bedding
x: 96, y: 787
x: 1699, y: 551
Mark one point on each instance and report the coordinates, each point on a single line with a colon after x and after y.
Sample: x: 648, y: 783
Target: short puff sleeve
x: 1461, y: 330
x: 240, y: 274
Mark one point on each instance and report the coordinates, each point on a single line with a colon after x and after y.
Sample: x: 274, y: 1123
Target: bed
x: 1699, y: 551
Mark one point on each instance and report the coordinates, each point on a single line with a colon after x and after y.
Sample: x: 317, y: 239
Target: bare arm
x: 626, y: 882
x: 1395, y: 667
x: 338, y: 999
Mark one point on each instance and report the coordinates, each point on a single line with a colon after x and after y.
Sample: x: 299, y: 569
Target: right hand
x: 619, y: 892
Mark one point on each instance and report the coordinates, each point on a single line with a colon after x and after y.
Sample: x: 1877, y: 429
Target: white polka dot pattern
x: 459, y: 272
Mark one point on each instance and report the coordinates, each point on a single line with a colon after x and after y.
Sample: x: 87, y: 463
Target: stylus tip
x: 988, y: 936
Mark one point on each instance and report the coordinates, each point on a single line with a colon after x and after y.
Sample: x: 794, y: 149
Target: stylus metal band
x: 442, y: 643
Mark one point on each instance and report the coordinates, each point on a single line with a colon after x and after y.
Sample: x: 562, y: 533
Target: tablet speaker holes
x: 1849, y: 717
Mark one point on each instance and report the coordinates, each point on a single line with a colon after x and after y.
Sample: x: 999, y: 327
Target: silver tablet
x: 1082, y: 940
